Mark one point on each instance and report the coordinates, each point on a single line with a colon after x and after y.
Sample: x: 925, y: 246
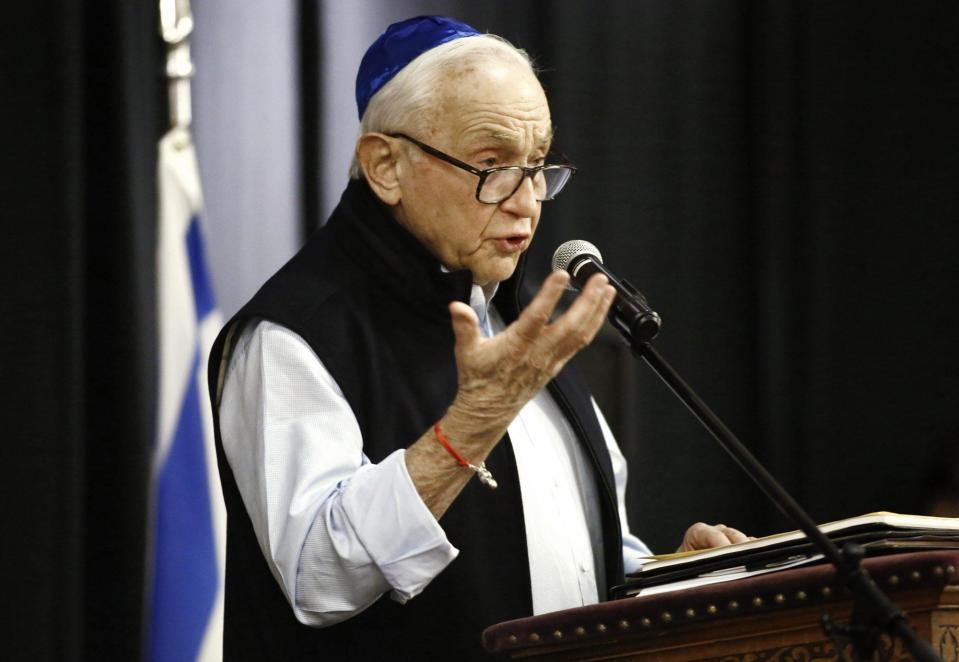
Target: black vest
x: 372, y: 303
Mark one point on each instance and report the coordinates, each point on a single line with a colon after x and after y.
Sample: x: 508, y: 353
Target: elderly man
x: 393, y: 479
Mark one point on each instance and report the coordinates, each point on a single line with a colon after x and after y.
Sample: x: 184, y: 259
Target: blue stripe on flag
x: 185, y: 579
x: 202, y: 285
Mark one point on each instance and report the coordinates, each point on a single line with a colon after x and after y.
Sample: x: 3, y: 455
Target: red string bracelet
x: 484, y: 474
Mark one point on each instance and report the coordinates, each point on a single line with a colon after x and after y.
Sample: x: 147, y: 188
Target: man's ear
x: 377, y: 155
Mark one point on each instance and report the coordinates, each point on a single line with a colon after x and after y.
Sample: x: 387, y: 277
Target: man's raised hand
x: 498, y: 375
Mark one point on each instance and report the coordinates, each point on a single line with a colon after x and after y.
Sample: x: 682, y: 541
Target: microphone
x: 630, y: 313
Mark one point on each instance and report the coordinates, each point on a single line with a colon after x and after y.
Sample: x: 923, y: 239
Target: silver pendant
x: 484, y: 475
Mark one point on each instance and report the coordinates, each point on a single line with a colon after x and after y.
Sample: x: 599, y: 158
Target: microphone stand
x: 873, y: 612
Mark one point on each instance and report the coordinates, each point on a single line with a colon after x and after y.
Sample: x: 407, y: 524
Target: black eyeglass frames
x: 500, y: 183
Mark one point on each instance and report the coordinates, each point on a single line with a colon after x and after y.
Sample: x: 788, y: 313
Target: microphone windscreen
x: 567, y: 252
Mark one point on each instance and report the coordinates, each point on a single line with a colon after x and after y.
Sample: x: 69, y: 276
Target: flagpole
x: 176, y: 26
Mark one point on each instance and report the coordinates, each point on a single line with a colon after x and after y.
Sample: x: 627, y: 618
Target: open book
x: 878, y: 532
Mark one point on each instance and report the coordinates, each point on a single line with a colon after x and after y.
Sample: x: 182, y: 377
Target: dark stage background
x: 778, y: 177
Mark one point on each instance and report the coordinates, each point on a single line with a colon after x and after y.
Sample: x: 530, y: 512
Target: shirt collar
x: 480, y: 298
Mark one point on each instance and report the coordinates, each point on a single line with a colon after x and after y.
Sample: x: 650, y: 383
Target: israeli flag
x: 189, y: 531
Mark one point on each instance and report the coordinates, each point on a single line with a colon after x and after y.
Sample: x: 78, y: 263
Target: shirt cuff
x: 395, y: 527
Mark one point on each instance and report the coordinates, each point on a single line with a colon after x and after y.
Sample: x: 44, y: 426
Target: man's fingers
x: 465, y: 324
x: 536, y: 315
x: 704, y: 536
x: 579, y: 325
x: 709, y: 536
x: 734, y: 535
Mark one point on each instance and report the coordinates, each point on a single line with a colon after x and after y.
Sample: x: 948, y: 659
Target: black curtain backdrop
x: 83, y: 104
x: 779, y: 178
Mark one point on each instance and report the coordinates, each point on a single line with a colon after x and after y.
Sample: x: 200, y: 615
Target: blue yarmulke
x: 399, y: 45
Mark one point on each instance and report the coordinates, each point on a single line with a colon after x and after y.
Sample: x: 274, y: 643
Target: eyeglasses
x: 499, y: 184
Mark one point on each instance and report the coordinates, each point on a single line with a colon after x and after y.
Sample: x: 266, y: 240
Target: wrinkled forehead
x: 498, y: 102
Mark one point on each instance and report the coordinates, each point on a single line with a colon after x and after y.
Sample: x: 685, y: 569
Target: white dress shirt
x: 338, y: 531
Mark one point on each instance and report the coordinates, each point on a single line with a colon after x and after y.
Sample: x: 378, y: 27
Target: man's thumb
x: 465, y: 324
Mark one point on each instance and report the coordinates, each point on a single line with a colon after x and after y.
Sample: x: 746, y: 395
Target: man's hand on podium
x: 706, y: 536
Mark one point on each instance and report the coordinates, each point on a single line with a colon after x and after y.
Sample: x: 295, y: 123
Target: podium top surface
x: 801, y: 587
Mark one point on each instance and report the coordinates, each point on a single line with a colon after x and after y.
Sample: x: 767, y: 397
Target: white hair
x: 403, y: 104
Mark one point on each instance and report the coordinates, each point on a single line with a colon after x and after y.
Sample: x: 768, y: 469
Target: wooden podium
x: 766, y: 617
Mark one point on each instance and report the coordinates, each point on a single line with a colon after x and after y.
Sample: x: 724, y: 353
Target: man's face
x: 494, y: 114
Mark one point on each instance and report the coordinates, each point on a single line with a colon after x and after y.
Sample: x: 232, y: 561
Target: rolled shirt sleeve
x: 337, y: 530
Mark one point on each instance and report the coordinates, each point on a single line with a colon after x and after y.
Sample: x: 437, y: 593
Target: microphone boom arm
x: 639, y: 324
x: 870, y: 604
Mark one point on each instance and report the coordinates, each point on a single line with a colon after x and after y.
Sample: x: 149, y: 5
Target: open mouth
x: 513, y: 243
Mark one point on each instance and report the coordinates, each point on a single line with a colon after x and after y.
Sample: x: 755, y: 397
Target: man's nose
x: 523, y: 202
